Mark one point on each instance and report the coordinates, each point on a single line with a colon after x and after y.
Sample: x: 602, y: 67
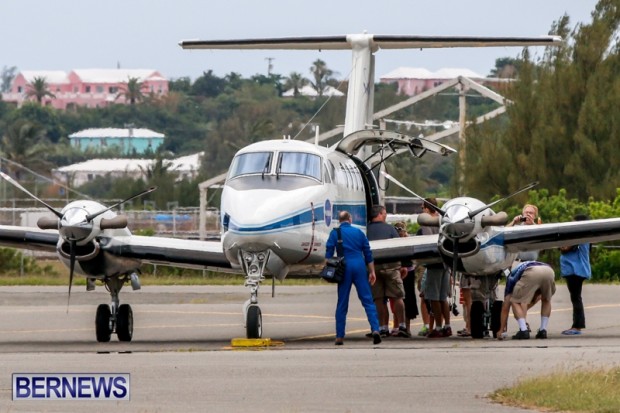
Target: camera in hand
x: 523, y: 218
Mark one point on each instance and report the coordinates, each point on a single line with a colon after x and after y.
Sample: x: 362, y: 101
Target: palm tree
x: 25, y: 143
x: 133, y: 91
x: 295, y: 81
x: 322, y: 74
x: 162, y: 175
x: 39, y: 89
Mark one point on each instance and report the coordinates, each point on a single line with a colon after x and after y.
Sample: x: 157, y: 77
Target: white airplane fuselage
x: 481, y: 249
x: 283, y: 197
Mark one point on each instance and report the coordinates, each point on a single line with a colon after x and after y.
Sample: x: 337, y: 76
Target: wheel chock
x: 250, y: 342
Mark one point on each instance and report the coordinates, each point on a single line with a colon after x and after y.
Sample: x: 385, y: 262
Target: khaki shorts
x: 388, y: 284
x: 536, y: 279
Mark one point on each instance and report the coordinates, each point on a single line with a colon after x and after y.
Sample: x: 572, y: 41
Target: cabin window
x: 251, y: 163
x: 299, y: 163
x: 346, y: 175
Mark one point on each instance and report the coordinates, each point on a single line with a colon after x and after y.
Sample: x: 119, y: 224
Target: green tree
x: 7, y: 76
x: 25, y: 143
x: 295, y: 81
x: 133, y: 91
x: 321, y: 75
x: 39, y: 89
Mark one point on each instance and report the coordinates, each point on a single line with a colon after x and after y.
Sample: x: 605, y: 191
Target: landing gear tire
x: 496, y: 316
x: 102, y: 323
x: 254, y: 322
x: 124, y: 323
x: 477, y: 319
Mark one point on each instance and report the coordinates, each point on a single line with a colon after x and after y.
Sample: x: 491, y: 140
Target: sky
x: 144, y: 34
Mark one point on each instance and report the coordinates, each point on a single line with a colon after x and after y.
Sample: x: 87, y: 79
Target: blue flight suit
x: 357, y: 254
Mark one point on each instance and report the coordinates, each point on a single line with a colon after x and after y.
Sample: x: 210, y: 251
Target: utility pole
x: 269, y: 64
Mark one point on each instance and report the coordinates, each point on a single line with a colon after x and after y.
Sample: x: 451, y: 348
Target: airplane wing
x: 420, y: 248
x: 169, y: 251
x: 150, y: 250
x: 546, y: 236
x: 28, y: 238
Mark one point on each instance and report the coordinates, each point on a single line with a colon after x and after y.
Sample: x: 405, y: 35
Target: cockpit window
x: 251, y: 163
x: 299, y: 163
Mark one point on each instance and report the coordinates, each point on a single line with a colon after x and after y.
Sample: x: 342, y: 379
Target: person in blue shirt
x: 575, y: 268
x: 358, y: 256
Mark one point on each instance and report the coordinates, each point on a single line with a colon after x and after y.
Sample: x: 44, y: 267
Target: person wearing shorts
x: 528, y: 283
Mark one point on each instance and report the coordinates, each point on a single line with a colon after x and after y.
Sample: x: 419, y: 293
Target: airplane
x: 280, y: 199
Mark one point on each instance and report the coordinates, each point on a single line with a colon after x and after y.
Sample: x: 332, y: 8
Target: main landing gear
x: 486, y: 310
x: 115, y: 318
x: 253, y: 264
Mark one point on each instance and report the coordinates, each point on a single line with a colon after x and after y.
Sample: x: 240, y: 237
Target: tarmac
x: 181, y: 358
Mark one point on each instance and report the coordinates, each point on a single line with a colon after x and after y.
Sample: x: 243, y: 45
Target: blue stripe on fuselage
x: 497, y: 239
x: 303, y: 218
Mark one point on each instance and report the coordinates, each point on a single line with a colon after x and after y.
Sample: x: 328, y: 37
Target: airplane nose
x: 458, y: 229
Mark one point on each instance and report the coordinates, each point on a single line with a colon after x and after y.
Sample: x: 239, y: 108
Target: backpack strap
x: 339, y: 247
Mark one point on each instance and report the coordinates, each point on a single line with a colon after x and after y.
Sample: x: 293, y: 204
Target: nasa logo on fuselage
x: 328, y: 212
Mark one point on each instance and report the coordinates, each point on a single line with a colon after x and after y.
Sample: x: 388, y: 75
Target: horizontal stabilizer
x: 342, y: 42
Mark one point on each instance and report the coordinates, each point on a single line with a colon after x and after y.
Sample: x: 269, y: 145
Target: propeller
x: 75, y: 224
x: 33, y: 196
x: 525, y: 188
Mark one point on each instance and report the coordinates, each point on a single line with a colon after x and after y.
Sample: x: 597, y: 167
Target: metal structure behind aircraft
x: 281, y: 198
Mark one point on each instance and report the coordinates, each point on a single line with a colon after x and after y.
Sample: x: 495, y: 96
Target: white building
x: 186, y: 167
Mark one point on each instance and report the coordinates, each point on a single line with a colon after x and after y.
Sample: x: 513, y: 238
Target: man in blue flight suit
x: 358, y: 256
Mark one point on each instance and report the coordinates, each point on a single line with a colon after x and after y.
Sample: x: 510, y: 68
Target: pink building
x: 414, y: 80
x: 86, y: 87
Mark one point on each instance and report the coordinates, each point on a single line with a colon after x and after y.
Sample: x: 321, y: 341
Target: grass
x: 588, y: 390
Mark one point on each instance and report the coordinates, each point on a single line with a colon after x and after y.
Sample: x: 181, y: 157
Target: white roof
x: 50, y: 76
x: 421, y: 73
x: 184, y: 163
x: 116, y: 133
x: 107, y: 165
x: 310, y: 91
x: 116, y: 75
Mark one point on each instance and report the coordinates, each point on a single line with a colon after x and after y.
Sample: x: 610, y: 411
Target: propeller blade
x: 525, y: 188
x: 71, y: 270
x: 24, y: 190
x: 90, y: 217
x: 429, y: 205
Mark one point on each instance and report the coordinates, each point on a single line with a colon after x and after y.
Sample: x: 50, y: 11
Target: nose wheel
x: 254, y: 322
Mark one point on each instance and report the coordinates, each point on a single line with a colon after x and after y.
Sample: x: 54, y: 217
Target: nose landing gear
x: 253, y: 264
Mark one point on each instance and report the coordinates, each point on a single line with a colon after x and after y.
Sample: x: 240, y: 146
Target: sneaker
x: 436, y: 334
x: 522, y: 335
x: 463, y: 333
x: 339, y: 342
x: 541, y: 334
x: 383, y: 333
x: 376, y: 337
x: 402, y: 332
x: 447, y: 331
x: 423, y: 332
